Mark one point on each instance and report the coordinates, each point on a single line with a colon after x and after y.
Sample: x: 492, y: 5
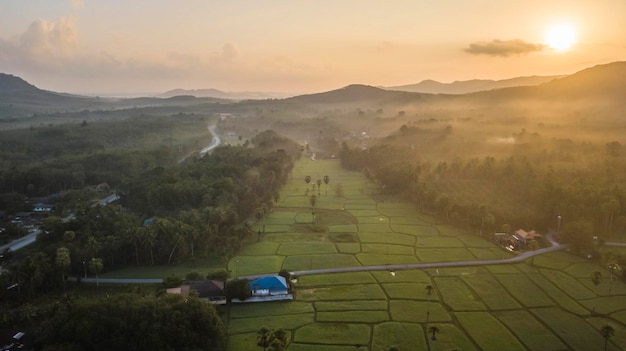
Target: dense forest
x: 171, y: 209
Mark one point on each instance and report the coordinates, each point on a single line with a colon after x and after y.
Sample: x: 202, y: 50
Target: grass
x: 305, y: 262
x: 365, y: 305
x: 386, y: 238
x: 408, y: 291
x: 262, y: 248
x: 252, y: 265
x: 277, y: 308
x: 384, y: 259
x: 451, y: 337
x: 558, y: 295
x: 568, y: 284
x: 483, y: 328
x: 387, y: 249
x: 407, y: 336
x: 290, y: 249
x: 524, y: 290
x: 456, y: 294
x: 491, y: 292
x: 334, y: 334
x: 353, y: 316
x: 444, y: 255
x: 606, y: 305
x: 578, y: 334
x: 416, y: 311
x: 342, y: 292
x: 336, y: 279
x: 530, y: 331
x: 287, y: 322
x: 439, y: 241
x: 545, y: 304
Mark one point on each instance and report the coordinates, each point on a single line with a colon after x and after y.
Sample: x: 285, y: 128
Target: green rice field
x: 548, y: 303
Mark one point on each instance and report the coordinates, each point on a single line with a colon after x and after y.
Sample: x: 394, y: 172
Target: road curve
x: 216, y: 140
x: 397, y: 267
x: 214, y: 143
x: 391, y: 267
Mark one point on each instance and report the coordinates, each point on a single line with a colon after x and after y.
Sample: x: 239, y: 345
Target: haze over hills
x: 232, y: 95
x: 470, y: 86
x: 19, y: 98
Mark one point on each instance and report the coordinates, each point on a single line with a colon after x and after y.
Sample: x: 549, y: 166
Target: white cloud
x: 49, y: 38
x: 78, y: 4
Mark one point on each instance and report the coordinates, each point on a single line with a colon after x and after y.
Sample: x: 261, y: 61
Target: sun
x: 561, y: 37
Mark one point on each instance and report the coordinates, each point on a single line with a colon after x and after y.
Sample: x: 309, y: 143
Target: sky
x: 298, y: 46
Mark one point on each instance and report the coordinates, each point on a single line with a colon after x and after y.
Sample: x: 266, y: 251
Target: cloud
x: 49, y: 38
x: 78, y: 4
x: 503, y: 48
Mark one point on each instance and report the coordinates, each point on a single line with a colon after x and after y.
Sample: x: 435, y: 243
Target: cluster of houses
x: 265, y: 288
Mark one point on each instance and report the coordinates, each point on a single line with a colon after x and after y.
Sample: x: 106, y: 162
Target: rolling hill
x: 471, y: 86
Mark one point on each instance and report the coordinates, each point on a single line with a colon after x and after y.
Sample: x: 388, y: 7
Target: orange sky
x: 296, y: 46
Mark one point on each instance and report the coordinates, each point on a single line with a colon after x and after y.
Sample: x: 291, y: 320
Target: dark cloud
x: 503, y: 48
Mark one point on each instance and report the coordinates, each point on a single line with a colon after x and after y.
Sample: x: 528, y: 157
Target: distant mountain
x: 19, y: 98
x: 471, y: 86
x: 355, y: 94
x: 10, y: 83
x: 214, y: 93
x: 602, y: 82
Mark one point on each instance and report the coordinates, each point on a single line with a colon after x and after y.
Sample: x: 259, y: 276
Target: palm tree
x: 313, y: 200
x: 319, y: 186
x: 596, y: 277
x: 307, y: 180
x: 429, y: 289
x: 434, y: 331
x: 63, y: 260
x: 95, y: 266
x: 607, y: 332
x: 326, y: 181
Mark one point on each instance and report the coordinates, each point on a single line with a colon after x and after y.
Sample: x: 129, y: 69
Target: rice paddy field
x: 549, y: 303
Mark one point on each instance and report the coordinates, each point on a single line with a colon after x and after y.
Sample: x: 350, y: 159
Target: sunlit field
x: 549, y: 303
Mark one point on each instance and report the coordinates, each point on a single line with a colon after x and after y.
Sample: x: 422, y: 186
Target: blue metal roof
x: 272, y: 283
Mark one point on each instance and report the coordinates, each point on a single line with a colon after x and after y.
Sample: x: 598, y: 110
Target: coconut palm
x: 607, y: 332
x: 596, y: 277
x: 326, y: 181
x: 429, y: 289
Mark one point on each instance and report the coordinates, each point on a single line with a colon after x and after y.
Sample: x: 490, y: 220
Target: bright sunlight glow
x: 561, y: 37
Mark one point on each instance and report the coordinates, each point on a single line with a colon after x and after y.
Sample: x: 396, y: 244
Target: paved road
x: 216, y: 140
x: 215, y: 143
x: 21, y: 242
x: 613, y: 243
x: 396, y: 267
x: 393, y: 267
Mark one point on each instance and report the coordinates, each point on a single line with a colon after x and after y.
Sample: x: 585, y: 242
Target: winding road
x: 215, y: 143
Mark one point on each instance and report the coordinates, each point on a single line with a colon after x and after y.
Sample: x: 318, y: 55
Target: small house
x: 525, y: 236
x: 42, y: 207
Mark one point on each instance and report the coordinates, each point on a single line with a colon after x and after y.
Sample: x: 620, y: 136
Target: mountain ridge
x: 430, y: 86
